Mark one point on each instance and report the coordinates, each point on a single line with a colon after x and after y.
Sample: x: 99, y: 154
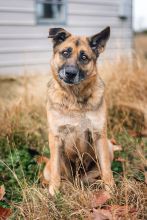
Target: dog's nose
x: 71, y: 71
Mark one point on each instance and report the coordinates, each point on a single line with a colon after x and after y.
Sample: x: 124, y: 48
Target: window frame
x: 48, y: 21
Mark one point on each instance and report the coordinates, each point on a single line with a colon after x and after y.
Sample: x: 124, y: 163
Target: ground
x: 23, y: 138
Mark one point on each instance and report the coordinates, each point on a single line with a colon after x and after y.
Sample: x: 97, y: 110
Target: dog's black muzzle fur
x: 71, y: 74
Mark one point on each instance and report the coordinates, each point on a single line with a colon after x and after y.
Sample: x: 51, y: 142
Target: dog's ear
x: 58, y: 35
x: 98, y: 41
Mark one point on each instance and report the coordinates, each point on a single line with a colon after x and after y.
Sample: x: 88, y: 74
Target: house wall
x: 24, y: 46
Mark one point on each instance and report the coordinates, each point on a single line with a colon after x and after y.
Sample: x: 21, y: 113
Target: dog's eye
x: 84, y: 57
x: 66, y: 53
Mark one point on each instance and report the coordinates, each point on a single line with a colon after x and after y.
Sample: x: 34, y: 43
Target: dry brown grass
x: 126, y: 94
x: 76, y: 202
x: 22, y: 104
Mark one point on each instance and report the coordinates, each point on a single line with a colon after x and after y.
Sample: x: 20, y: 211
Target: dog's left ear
x: 58, y: 34
x: 98, y: 41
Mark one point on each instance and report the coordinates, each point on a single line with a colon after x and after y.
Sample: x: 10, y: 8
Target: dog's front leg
x: 55, y: 176
x: 104, y: 161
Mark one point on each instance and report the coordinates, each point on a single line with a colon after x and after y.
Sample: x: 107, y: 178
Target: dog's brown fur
x: 76, y: 113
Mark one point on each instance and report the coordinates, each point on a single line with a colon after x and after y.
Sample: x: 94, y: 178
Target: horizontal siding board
x: 22, y: 36
x: 24, y: 43
x: 101, y: 24
x: 115, y: 32
x: 74, y: 7
x: 12, y: 50
x: 20, y: 16
x: 99, y: 2
x: 98, y: 20
x: 23, y: 70
x: 16, y: 10
x: 17, y: 23
x: 92, y: 8
x: 24, y: 30
x: 22, y: 59
x: 95, y: 2
x: 94, y: 14
x: 18, y: 3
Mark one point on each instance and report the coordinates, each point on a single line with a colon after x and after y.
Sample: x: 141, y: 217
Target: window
x: 51, y: 11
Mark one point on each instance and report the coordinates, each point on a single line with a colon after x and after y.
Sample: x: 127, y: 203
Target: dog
x: 76, y: 109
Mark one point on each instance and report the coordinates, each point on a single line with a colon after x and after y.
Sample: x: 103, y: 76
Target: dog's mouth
x: 71, y: 75
x: 68, y: 81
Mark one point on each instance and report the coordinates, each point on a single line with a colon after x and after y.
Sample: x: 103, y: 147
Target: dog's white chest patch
x: 92, y: 120
x: 96, y: 120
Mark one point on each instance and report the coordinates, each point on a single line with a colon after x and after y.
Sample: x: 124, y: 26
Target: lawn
x: 23, y: 139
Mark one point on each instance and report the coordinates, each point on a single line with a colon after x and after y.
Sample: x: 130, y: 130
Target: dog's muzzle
x: 70, y: 74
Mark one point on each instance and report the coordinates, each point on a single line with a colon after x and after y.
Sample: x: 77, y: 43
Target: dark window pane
x: 54, y: 11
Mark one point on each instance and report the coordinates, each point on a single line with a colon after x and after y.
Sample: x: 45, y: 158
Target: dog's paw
x: 109, y: 184
x: 53, y: 190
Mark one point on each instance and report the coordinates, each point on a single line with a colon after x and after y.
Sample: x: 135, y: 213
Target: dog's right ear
x: 59, y: 35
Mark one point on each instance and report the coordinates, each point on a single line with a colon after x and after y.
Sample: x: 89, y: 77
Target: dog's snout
x: 70, y: 74
x: 71, y: 71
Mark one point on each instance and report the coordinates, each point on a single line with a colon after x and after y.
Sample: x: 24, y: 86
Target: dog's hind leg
x: 112, y: 148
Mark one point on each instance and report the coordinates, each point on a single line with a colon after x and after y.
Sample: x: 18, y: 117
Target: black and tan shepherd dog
x: 76, y: 108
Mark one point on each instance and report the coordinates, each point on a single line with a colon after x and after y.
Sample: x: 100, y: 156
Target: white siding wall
x: 24, y: 45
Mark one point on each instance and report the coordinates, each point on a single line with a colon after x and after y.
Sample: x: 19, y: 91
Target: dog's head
x: 75, y: 57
